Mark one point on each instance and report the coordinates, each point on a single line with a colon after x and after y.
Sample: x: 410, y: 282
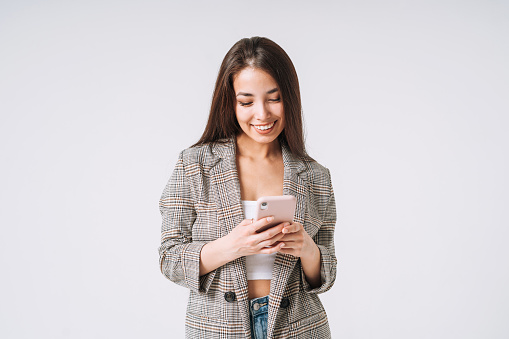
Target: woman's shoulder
x: 315, y: 171
x: 202, y: 154
x: 195, y: 152
x: 314, y: 165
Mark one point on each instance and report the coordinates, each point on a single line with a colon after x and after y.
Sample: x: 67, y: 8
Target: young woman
x: 244, y: 283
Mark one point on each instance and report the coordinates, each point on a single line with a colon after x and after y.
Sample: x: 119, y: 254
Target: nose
x: 262, y: 111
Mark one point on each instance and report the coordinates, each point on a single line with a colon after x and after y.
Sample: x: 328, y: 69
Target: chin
x: 262, y: 139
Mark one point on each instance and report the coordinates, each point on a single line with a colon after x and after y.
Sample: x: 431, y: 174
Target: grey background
x: 405, y: 101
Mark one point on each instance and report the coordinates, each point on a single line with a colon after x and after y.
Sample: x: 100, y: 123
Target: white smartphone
x: 281, y: 207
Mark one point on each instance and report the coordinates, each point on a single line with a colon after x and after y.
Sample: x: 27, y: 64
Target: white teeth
x: 265, y: 127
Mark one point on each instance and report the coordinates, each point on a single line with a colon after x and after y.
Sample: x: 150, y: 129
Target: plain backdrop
x: 406, y: 102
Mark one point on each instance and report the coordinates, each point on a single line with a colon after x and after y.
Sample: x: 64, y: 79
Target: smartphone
x: 281, y: 207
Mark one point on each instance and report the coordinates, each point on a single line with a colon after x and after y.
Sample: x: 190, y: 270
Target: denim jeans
x: 259, y: 311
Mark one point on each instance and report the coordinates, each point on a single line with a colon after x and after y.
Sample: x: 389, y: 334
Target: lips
x: 265, y: 128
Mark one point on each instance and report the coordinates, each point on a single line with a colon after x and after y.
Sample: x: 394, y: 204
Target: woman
x: 245, y: 284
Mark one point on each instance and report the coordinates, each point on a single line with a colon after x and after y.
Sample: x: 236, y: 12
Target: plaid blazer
x: 200, y: 203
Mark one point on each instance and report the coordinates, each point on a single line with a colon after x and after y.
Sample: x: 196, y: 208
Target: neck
x: 247, y: 147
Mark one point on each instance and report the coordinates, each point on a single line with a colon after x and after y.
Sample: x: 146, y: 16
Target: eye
x: 275, y: 100
x: 244, y: 103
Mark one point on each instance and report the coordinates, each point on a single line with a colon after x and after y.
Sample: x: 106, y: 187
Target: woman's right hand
x: 244, y: 240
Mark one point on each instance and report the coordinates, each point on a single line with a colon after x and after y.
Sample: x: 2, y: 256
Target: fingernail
x: 282, y: 245
x: 285, y: 230
x: 269, y: 219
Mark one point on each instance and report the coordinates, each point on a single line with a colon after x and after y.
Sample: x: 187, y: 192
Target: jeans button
x: 256, y: 306
x: 230, y: 297
x: 284, y: 303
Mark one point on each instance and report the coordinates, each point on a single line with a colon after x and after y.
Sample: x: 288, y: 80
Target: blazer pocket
x: 199, y: 326
x: 312, y: 322
x: 203, y: 322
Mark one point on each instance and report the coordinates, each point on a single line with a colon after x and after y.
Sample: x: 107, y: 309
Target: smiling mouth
x: 264, y: 127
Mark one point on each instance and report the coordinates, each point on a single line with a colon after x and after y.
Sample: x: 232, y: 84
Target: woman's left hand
x: 297, y: 241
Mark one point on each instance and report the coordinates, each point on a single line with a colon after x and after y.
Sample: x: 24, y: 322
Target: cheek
x: 281, y: 114
x: 281, y: 111
x: 241, y: 118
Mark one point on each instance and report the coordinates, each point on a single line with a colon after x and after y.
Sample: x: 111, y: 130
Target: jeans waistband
x: 259, y: 305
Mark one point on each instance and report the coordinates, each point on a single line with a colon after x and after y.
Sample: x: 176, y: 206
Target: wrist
x: 312, y: 251
x: 226, y: 252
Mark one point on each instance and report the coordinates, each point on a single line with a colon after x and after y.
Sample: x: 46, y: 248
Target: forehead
x: 253, y: 80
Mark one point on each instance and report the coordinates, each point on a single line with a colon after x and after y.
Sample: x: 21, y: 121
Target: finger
x: 270, y: 232
x: 272, y: 241
x: 291, y: 251
x: 262, y: 223
x: 293, y: 237
x: 246, y: 222
x: 292, y: 228
x: 274, y: 249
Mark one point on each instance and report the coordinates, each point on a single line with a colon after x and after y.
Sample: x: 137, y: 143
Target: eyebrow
x: 250, y: 95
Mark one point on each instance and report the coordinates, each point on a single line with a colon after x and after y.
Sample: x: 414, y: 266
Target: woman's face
x: 258, y: 106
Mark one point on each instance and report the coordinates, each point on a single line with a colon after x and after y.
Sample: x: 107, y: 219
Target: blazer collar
x: 226, y: 148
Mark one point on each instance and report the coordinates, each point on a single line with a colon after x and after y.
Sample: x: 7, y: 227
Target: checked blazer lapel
x: 294, y: 183
x: 224, y: 177
x: 226, y: 188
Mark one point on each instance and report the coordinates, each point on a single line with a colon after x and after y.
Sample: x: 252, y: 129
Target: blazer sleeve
x: 179, y: 255
x: 324, y: 239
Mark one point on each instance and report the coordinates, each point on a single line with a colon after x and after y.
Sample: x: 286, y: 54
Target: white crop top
x: 259, y: 266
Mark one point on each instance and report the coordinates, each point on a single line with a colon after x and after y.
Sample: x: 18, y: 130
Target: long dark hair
x: 264, y: 54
